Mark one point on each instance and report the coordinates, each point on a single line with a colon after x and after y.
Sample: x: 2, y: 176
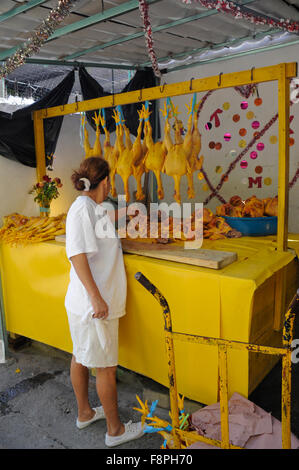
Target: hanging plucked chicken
x: 155, y: 153
x: 178, y: 153
x: 96, y: 150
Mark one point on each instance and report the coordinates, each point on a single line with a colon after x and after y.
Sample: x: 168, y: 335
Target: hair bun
x: 90, y: 173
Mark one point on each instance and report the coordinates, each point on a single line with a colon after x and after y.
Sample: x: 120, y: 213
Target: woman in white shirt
x: 95, y: 300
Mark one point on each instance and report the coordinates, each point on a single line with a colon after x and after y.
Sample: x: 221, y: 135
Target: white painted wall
x: 16, y: 179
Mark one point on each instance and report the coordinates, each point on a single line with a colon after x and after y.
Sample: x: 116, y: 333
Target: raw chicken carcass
x: 97, y: 148
x: 155, y: 155
x: 87, y: 147
x: 124, y: 165
x: 108, y: 148
x: 113, y: 156
x: 176, y: 162
x: 138, y: 157
x: 128, y: 142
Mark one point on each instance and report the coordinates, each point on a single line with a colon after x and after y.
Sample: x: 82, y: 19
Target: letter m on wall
x: 253, y: 181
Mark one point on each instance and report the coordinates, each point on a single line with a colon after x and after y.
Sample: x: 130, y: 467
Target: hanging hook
x: 190, y: 87
x: 46, y: 112
x: 257, y: 91
x: 140, y: 95
x: 162, y: 87
x: 76, y: 103
x: 113, y: 103
x: 62, y: 108
x: 219, y: 81
x: 252, y: 73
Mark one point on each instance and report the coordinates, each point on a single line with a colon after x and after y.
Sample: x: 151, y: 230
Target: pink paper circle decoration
x: 260, y: 146
x: 244, y: 105
x: 255, y: 124
x: 253, y: 155
x: 243, y: 164
x: 227, y: 137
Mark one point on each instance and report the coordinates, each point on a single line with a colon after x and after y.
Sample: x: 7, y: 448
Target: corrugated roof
x: 110, y: 32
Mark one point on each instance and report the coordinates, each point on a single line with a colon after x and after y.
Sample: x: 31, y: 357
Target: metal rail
x: 223, y: 346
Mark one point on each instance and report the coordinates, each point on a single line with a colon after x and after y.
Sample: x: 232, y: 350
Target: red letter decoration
x: 252, y: 181
x: 215, y: 115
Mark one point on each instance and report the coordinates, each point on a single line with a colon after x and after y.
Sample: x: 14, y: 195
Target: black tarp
x: 142, y: 79
x: 16, y: 129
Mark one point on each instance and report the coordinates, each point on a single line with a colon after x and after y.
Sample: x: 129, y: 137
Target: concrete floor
x: 38, y: 407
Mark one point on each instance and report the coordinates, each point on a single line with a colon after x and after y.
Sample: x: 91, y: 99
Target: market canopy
x: 180, y: 32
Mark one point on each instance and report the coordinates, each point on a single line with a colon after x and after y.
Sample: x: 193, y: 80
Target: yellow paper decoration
x: 268, y: 181
x: 273, y: 139
x: 250, y: 115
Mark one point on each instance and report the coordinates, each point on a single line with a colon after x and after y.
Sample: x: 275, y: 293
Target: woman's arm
x: 82, y: 269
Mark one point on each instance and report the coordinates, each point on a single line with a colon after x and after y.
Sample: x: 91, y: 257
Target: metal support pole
x: 223, y: 381
x: 169, y: 351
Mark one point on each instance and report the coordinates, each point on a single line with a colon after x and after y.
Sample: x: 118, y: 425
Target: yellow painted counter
x: 235, y: 303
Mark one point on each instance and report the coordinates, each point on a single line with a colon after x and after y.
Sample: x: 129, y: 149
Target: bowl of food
x: 253, y: 226
x: 253, y: 217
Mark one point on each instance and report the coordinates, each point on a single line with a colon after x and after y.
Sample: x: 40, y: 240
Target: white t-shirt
x: 84, y: 223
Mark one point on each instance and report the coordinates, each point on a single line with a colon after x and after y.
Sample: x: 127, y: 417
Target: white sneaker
x: 99, y: 414
x: 132, y: 431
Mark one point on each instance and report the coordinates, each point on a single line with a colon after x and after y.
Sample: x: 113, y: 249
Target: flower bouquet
x: 45, y: 191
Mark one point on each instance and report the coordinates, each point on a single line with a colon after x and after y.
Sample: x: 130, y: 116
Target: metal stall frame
x: 282, y: 73
x: 223, y: 346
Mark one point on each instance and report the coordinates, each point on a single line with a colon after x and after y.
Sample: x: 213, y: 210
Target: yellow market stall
x: 244, y: 301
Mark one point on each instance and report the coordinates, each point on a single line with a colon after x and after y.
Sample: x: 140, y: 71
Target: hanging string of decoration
x: 241, y: 13
x: 143, y: 7
x: 291, y: 184
x: 37, y: 37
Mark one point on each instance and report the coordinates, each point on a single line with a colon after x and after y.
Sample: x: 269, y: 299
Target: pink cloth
x: 249, y: 426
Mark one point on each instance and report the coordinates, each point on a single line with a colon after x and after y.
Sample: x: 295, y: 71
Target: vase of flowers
x: 45, y: 191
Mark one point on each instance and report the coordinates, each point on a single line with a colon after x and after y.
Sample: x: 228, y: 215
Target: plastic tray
x: 253, y: 226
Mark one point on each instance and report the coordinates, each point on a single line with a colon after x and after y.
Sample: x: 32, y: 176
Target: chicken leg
x: 138, y: 164
x: 87, y: 147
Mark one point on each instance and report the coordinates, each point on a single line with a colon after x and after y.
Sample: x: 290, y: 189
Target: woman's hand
x: 100, y: 307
